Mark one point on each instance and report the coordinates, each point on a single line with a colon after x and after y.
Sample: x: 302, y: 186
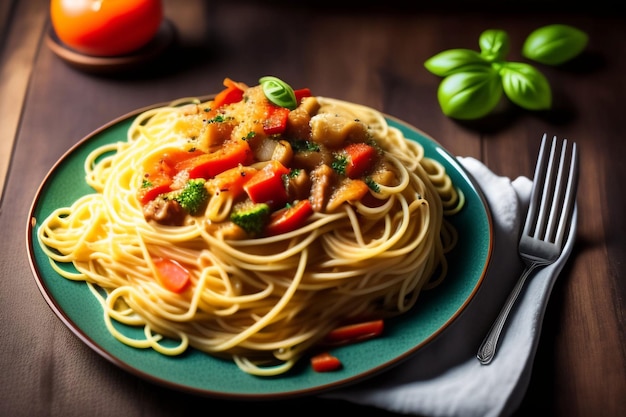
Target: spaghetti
x: 260, y: 299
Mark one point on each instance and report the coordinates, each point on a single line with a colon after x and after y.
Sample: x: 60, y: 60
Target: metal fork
x: 552, y: 201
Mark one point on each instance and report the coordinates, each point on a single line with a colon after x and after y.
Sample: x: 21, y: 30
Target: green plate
x: 199, y: 373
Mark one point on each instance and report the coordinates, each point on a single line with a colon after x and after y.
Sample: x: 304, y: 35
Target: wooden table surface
x: 370, y: 55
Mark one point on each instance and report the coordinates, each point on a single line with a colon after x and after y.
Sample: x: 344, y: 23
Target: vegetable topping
x: 279, y: 92
x: 270, y: 152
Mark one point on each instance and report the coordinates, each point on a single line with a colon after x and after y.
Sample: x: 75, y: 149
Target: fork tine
x: 536, y: 191
x: 548, y: 184
x: 557, y: 210
x: 570, y: 196
x: 552, y: 198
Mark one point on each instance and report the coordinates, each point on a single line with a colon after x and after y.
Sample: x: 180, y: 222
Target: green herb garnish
x: 304, y: 146
x: 474, y: 82
x: 339, y: 163
x: 278, y: 92
x: 373, y: 185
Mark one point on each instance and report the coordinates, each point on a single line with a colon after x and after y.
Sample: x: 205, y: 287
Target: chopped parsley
x: 294, y: 172
x: 305, y: 146
x: 339, y: 163
x: 372, y: 184
x: 220, y: 118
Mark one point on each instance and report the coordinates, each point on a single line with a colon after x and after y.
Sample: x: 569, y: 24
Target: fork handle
x: 487, y: 349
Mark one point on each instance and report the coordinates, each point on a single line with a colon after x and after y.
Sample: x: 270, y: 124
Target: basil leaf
x: 494, y: 44
x: 554, y: 44
x: 525, y: 86
x: 453, y: 60
x: 470, y: 94
x: 278, y: 92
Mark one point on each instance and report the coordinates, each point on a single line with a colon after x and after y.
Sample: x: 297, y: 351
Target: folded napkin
x: 444, y: 378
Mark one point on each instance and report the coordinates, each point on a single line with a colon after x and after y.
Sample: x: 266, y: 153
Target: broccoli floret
x: 193, y: 196
x: 250, y: 216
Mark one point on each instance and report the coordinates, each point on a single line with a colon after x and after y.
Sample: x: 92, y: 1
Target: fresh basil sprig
x: 474, y: 82
x: 278, y: 92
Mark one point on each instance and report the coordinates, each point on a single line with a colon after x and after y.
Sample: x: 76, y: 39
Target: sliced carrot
x: 355, y: 332
x: 349, y: 190
x: 172, y: 275
x: 174, y: 156
x: 230, y: 155
x: 325, y: 362
x: 232, y: 180
x: 233, y: 93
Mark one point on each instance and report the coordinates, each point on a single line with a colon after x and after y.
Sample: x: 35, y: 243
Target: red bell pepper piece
x: 231, y: 154
x: 171, y: 274
x: 325, y: 362
x: 302, y: 93
x: 360, y: 159
x: 290, y: 218
x: 276, y: 121
x: 355, y: 332
x: 267, y: 186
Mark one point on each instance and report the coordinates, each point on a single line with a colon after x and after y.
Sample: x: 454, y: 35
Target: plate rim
x: 311, y: 390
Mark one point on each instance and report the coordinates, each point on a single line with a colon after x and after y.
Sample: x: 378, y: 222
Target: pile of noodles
x: 262, y: 302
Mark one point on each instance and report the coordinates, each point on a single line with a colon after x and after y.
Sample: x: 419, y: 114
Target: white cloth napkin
x: 444, y: 378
